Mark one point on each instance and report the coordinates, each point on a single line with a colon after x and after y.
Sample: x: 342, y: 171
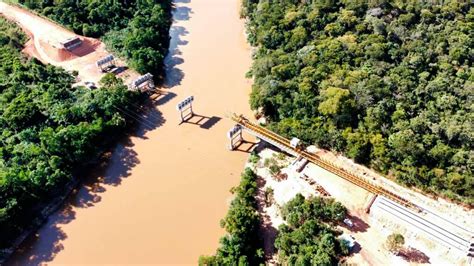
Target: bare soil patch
x: 45, y: 45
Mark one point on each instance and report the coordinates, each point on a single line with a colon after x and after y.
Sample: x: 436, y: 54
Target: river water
x: 161, y: 196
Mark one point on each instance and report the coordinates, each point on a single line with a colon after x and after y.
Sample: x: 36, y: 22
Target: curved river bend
x: 163, y: 193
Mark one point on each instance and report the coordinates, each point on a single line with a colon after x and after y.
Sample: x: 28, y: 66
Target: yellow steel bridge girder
x: 353, y: 178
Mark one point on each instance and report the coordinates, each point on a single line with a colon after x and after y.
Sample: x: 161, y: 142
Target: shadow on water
x: 202, y: 121
x: 150, y: 119
x: 173, y: 59
x: 162, y: 98
x: 115, y: 166
x: 182, y: 13
x: 246, y: 146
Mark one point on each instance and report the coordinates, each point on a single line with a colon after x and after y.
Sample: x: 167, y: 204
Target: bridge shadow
x: 202, y: 121
x: 119, y: 70
x: 160, y: 97
x: 88, y: 46
x: 246, y: 146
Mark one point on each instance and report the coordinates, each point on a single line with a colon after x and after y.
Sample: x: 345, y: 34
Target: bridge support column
x: 185, y: 109
x: 235, y: 137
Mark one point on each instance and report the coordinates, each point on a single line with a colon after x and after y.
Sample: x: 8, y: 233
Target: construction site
x: 437, y: 232
x: 53, y: 44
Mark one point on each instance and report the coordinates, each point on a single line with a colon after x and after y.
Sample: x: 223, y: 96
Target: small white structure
x: 311, y: 149
x: 235, y: 136
x: 71, y: 43
x: 106, y: 63
x: 142, y: 83
x: 348, y: 240
x: 185, y: 108
x: 348, y: 222
x: 294, y: 142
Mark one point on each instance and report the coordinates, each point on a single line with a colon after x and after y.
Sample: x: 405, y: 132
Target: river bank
x: 162, y: 196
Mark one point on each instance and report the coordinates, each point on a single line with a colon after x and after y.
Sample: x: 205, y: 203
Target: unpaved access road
x: 161, y: 197
x: 45, y: 44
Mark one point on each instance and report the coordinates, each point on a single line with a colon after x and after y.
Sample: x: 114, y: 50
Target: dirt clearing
x: 45, y: 45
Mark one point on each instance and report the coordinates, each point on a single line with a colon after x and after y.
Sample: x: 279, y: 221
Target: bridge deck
x: 284, y: 144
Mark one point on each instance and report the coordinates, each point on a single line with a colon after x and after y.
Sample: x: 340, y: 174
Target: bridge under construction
x: 461, y: 239
x: 286, y: 145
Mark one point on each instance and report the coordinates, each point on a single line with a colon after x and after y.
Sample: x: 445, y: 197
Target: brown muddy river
x: 162, y: 195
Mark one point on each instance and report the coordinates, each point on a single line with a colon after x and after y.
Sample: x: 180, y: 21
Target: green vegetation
x: 136, y: 30
x: 269, y: 196
x: 309, y: 237
x: 49, y: 130
x: 389, y: 83
x: 395, y: 242
x: 241, y: 245
x: 254, y: 157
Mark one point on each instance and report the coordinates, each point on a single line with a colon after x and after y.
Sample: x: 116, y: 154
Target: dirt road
x: 45, y: 44
x: 164, y: 191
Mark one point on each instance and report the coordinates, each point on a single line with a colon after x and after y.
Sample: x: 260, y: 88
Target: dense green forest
x: 241, y: 245
x: 309, y: 236
x: 388, y: 83
x: 49, y: 130
x: 136, y: 30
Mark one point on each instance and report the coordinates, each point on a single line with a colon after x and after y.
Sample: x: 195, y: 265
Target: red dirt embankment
x: 45, y: 45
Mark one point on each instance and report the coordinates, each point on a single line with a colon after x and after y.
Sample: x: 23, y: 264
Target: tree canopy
x: 49, y: 130
x: 395, y: 242
x: 136, y: 30
x: 241, y: 245
x: 309, y: 236
x: 388, y: 83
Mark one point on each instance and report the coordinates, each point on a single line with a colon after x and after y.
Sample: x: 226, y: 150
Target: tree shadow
x: 149, y: 119
x: 50, y: 242
x: 114, y: 166
x: 359, y: 225
x: 414, y: 255
x: 173, y: 59
x: 181, y: 13
x: 267, y: 231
